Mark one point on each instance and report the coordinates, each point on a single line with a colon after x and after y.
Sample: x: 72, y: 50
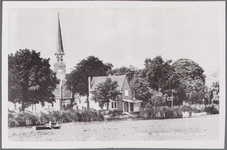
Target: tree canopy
x: 192, y: 79
x: 106, y: 91
x: 30, y: 78
x: 159, y: 73
x: 77, y: 80
x: 130, y: 72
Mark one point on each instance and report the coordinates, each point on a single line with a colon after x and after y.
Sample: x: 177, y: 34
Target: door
x: 126, y: 106
x: 131, y: 107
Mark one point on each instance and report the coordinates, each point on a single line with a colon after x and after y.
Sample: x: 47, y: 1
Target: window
x: 126, y: 92
x: 113, y: 104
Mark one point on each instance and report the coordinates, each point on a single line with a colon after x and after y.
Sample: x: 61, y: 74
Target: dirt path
x: 196, y: 128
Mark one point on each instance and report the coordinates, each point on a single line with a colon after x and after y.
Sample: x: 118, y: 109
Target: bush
x: 198, y: 108
x: 144, y: 113
x: 11, y: 120
x: 212, y: 109
x: 160, y: 112
x: 115, y: 112
x: 36, y: 118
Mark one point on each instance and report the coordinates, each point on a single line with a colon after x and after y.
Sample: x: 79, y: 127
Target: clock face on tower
x: 60, y: 74
x: 59, y: 71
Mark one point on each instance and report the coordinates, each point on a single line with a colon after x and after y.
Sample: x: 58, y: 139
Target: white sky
x: 122, y: 36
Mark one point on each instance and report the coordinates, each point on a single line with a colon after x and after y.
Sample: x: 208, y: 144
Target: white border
x: 117, y: 144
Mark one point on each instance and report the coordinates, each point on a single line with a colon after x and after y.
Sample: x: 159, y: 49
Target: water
x: 203, y: 127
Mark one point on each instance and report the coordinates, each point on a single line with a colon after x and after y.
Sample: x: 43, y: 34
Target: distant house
x: 125, y: 101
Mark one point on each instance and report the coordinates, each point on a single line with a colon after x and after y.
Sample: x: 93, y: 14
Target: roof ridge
x: 119, y: 78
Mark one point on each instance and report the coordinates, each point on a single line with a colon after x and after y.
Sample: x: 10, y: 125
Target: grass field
x: 195, y: 128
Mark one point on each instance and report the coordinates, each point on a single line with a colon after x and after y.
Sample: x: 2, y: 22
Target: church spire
x: 60, y: 52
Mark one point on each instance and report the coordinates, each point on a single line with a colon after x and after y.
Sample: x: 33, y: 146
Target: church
x: 63, y: 96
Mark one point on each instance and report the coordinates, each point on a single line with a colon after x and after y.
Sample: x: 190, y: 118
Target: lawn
x: 194, y: 128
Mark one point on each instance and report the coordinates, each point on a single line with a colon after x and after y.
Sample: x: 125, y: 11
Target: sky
x: 122, y: 36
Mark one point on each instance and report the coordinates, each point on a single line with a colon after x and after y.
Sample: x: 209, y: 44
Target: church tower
x: 60, y: 69
x: 60, y: 66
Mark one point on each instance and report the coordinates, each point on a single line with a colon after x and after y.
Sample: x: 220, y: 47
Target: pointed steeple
x: 60, y: 52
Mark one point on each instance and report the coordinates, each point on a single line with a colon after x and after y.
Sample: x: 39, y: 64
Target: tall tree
x: 77, y: 80
x: 141, y: 90
x: 159, y: 73
x: 130, y: 72
x: 192, y: 79
x: 30, y: 78
x: 106, y: 91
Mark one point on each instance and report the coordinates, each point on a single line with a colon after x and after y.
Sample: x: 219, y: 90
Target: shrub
x: 186, y: 108
x: 12, y: 122
x: 66, y: 116
x: 36, y: 118
x: 198, y: 108
x: 56, y: 115
x: 115, y: 112
x: 160, y: 112
x: 177, y: 112
x: 212, y: 109
x: 43, y: 117
x: 144, y: 113
x: 167, y: 112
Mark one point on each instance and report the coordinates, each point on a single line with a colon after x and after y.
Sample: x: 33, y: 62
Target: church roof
x: 96, y: 80
x: 59, y: 44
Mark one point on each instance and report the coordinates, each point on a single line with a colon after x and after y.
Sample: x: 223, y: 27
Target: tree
x: 157, y: 99
x: 106, y: 91
x: 214, y: 93
x: 30, y: 78
x: 141, y: 89
x: 158, y: 72
x: 130, y: 72
x: 192, y: 79
x: 77, y: 80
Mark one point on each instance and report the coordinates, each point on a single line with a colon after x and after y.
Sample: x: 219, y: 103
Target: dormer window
x: 126, y: 92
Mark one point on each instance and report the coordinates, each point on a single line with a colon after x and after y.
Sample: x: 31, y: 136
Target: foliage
x: 36, y: 118
x: 115, y: 112
x: 159, y: 74
x: 186, y: 108
x: 77, y: 80
x: 175, y: 112
x: 141, y: 89
x: 192, y: 79
x: 198, y: 108
x: 30, y: 78
x: 214, y: 93
x: 22, y: 119
x: 157, y: 99
x: 106, y: 91
x: 212, y: 109
x: 130, y: 72
x: 160, y: 112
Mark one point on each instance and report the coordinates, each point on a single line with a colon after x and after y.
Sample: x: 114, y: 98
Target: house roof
x: 97, y: 80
